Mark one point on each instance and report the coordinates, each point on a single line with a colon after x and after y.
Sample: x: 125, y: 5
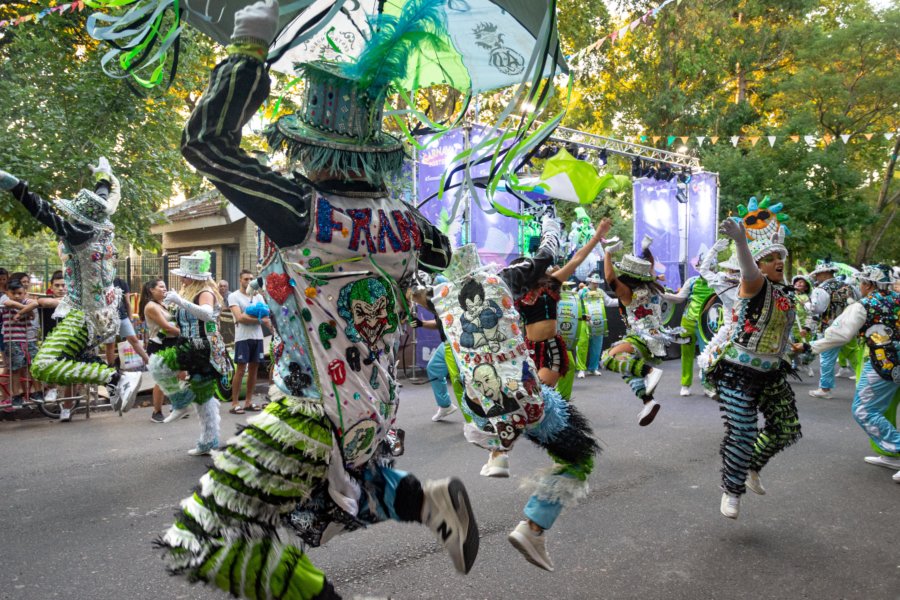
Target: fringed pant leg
x: 738, y: 405
x: 567, y: 436
x: 229, y: 532
x: 632, y: 367
x: 782, y: 424
x: 56, y: 361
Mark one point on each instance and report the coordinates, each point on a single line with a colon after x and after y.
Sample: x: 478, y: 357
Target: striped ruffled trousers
x: 57, y: 361
x: 743, y: 393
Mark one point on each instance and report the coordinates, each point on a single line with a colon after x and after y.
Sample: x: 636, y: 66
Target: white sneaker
x: 204, y: 449
x: 754, y: 484
x: 496, y: 466
x: 648, y: 413
x: 709, y: 392
x: 685, y: 391
x: 809, y: 372
x: 651, y: 380
x: 531, y: 545
x: 177, y: 413
x: 844, y: 372
x: 896, y: 477
x: 884, y: 461
x: 597, y: 372
x: 51, y: 395
x: 65, y: 415
x: 443, y: 411
x: 447, y: 512
x: 820, y: 393
x: 580, y: 375
x: 730, y: 505
x: 126, y: 391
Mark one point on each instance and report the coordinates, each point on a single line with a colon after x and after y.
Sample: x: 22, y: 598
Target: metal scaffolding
x: 592, y: 141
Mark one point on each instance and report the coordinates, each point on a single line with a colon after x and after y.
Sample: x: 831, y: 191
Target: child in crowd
x: 19, y: 349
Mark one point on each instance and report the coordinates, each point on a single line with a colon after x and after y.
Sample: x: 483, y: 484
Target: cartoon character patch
x: 367, y: 306
x: 480, y: 319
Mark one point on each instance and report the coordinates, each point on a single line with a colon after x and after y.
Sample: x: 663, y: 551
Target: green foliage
x: 758, y: 67
x: 60, y: 112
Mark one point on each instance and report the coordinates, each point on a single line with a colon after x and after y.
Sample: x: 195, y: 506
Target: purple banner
x: 426, y: 339
x: 495, y: 236
x: 656, y: 213
x: 703, y: 217
x: 431, y: 165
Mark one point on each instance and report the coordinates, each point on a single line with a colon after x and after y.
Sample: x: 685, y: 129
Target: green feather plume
x: 386, y: 57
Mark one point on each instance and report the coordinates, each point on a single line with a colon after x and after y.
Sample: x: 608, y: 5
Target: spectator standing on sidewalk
x: 250, y: 312
x: 126, y: 328
x: 162, y: 332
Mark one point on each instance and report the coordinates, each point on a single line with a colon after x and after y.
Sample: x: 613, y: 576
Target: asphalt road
x: 82, y: 502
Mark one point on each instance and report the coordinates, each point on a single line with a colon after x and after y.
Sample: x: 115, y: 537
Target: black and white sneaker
x: 122, y: 397
x: 447, y: 512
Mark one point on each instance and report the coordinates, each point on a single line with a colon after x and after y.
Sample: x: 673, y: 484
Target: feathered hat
x: 338, y: 126
x: 194, y: 266
x: 824, y: 266
x: 877, y: 274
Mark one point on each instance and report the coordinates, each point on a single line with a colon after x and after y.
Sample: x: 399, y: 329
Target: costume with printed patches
x: 315, y: 460
x: 199, y: 351
x: 633, y: 280
x: 876, y: 320
x: 503, y: 395
x: 750, y: 372
x: 89, y: 311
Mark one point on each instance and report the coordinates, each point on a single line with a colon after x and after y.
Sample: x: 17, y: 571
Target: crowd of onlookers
x: 26, y: 318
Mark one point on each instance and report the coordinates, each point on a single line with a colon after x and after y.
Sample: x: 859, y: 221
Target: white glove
x: 549, y: 223
x: 102, y: 167
x: 258, y: 22
x: 733, y: 228
x: 172, y: 297
x: 645, y: 243
x: 614, y: 247
x: 7, y: 180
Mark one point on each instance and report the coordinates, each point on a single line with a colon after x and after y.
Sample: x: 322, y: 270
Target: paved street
x: 82, y: 502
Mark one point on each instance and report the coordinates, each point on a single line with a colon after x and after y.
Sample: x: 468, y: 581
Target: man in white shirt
x: 248, y: 342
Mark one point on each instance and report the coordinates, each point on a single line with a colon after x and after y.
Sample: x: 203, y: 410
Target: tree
x: 60, y: 112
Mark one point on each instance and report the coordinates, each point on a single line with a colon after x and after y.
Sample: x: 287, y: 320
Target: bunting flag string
x: 620, y: 33
x: 752, y: 140
x: 78, y: 5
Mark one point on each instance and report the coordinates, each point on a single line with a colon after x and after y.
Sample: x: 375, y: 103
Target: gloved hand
x: 415, y: 323
x: 172, y: 297
x: 646, y: 242
x: 7, y: 180
x: 733, y: 228
x: 612, y: 249
x: 102, y: 167
x: 258, y: 310
x: 257, y: 22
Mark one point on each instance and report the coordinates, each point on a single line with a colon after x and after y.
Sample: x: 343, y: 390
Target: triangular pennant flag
x: 700, y: 139
x: 623, y: 32
x: 602, y: 40
x: 634, y: 24
x: 735, y: 139
x: 646, y: 16
x: 714, y: 139
x: 669, y: 140
x: 826, y: 138
x: 810, y: 139
x: 771, y: 139
x: 795, y: 138
x: 643, y: 139
x: 613, y: 36
x: 684, y: 139
x: 889, y: 135
x: 753, y: 140
x: 845, y: 137
x: 655, y: 139
x: 868, y: 136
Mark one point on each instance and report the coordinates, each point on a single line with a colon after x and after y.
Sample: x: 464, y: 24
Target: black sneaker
x: 18, y: 401
x: 157, y: 417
